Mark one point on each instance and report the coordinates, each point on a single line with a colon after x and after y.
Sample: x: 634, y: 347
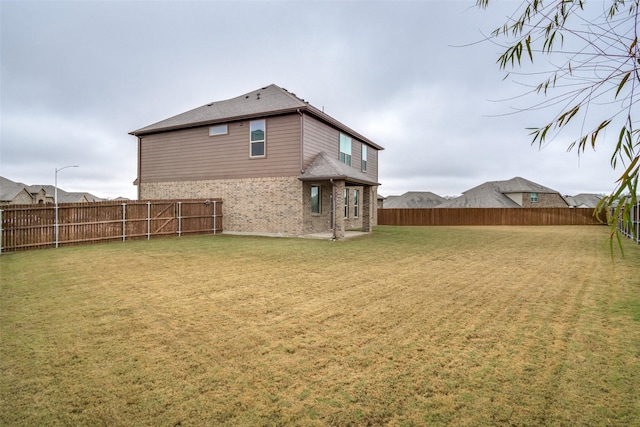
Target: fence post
x: 124, y: 221
x: 215, y: 215
x: 56, y: 225
x: 0, y: 231
x: 148, y: 220
x: 179, y: 219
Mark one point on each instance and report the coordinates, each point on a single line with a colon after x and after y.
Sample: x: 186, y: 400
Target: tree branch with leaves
x: 592, y: 84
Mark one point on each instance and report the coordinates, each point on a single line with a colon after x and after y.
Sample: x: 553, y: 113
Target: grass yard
x: 408, y: 326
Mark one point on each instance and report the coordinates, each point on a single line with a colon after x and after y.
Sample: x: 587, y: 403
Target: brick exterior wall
x: 251, y: 205
x: 271, y: 205
x: 317, y: 223
x: 545, y: 200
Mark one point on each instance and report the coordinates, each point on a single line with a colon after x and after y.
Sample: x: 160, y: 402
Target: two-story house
x: 516, y: 192
x: 280, y: 165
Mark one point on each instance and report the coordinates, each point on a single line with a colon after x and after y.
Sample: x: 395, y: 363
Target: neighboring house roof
x: 68, y: 197
x: 521, y: 185
x: 324, y: 167
x: 584, y: 200
x: 486, y: 195
x: 9, y: 189
x: 492, y: 194
x: 267, y: 101
x: 414, y: 199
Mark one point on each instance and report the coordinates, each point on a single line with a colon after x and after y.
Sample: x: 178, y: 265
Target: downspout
x: 333, y: 207
x: 139, y: 165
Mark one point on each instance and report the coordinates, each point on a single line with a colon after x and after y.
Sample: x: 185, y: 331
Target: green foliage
x: 598, y: 56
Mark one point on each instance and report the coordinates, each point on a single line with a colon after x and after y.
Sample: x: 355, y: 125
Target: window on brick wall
x: 316, y: 204
x: 534, y: 198
x: 346, y: 203
x: 356, y: 203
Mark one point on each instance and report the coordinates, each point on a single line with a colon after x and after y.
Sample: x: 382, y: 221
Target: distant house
x: 414, y: 199
x: 514, y: 193
x: 18, y: 193
x: 583, y: 200
x: 280, y: 165
x: 14, y: 193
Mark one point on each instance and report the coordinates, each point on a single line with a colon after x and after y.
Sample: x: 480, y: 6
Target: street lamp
x: 55, y: 195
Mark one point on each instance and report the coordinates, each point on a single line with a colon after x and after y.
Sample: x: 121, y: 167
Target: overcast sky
x: 78, y: 76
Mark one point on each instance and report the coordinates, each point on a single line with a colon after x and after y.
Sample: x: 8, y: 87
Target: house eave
x: 304, y: 108
x: 347, y: 179
x: 144, y: 131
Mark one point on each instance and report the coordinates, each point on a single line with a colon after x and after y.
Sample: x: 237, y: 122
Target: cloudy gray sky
x: 77, y: 76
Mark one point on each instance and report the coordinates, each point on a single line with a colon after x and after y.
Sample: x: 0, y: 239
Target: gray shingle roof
x: 414, y: 199
x: 324, y: 167
x: 492, y: 194
x: 521, y: 185
x: 486, y: 195
x: 263, y: 102
x: 584, y: 200
x: 9, y: 189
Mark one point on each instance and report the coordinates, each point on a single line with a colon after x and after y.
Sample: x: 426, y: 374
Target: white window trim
x: 363, y: 161
x: 356, y: 203
x: 213, y: 132
x: 264, y: 141
x: 319, y: 200
x: 347, y: 155
x: 345, y: 196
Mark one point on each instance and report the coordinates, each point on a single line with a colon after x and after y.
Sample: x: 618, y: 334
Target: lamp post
x: 55, y: 195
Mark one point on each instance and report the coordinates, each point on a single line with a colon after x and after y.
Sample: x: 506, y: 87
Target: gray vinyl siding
x: 319, y: 136
x: 372, y: 163
x: 191, y: 154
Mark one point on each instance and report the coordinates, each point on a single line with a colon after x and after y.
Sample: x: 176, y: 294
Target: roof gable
x: 485, y: 195
x: 521, y: 185
x: 269, y: 99
x: 324, y: 167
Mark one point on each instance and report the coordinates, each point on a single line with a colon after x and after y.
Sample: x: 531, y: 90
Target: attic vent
x: 210, y: 104
x: 258, y: 95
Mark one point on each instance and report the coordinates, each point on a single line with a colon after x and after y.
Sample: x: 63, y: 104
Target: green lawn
x: 406, y: 326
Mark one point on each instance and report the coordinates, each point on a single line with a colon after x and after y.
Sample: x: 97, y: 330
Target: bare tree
x: 591, y: 81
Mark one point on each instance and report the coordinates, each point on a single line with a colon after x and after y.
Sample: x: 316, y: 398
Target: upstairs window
x: 258, y: 138
x: 218, y: 130
x: 315, y: 200
x: 364, y: 158
x: 345, y: 149
x: 534, y: 197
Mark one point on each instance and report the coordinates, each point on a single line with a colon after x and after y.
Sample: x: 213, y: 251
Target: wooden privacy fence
x: 487, y: 216
x: 35, y: 226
